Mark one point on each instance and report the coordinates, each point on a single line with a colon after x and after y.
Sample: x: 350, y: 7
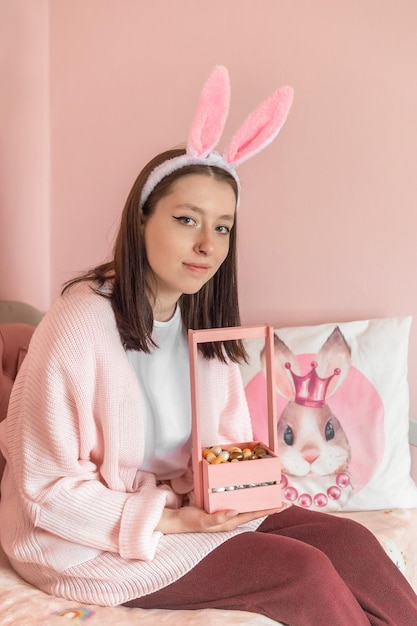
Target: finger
x: 251, y: 515
x: 220, y: 517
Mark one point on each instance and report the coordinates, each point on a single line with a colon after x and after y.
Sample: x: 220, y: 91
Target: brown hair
x: 215, y: 305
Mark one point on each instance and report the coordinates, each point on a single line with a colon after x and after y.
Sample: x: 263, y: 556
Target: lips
x: 197, y: 268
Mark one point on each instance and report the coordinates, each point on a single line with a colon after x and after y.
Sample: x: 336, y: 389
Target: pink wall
x: 24, y: 151
x: 328, y: 226
x: 414, y: 462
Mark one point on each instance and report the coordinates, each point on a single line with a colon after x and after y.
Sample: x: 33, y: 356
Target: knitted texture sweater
x: 77, y: 515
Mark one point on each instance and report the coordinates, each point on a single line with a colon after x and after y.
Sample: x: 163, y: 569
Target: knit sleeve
x: 74, y: 437
x: 224, y: 416
x: 223, y: 411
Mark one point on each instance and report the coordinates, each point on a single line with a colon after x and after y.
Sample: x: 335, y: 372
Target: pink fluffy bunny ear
x: 211, y: 114
x: 260, y: 128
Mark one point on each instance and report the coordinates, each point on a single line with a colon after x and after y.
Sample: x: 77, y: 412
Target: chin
x: 191, y: 290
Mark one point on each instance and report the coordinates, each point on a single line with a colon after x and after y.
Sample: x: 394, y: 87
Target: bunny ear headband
x: 258, y: 130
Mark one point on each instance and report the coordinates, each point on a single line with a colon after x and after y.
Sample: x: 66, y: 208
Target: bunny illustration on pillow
x: 313, y: 447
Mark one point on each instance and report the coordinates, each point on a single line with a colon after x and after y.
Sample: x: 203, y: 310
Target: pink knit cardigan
x: 77, y: 516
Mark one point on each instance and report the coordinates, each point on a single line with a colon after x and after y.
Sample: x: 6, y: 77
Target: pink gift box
x: 250, y: 485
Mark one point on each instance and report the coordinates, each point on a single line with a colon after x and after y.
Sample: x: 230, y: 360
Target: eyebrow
x: 196, y: 209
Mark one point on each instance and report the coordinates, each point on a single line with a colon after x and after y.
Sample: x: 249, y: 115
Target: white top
x: 164, y: 378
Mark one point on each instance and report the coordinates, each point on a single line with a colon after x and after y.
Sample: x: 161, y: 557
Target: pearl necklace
x: 319, y: 499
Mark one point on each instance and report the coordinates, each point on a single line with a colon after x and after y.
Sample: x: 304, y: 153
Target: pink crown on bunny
x: 257, y: 131
x: 310, y: 389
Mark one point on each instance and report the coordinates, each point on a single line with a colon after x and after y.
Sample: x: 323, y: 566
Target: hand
x: 190, y: 519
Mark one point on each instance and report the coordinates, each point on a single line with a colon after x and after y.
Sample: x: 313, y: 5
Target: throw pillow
x: 342, y: 413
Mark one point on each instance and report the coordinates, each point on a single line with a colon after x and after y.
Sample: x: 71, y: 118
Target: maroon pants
x: 301, y: 568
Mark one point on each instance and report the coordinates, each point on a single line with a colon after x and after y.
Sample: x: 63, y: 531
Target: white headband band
x: 258, y: 130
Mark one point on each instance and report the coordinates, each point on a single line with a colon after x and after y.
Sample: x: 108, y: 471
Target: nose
x: 310, y: 454
x: 205, y: 243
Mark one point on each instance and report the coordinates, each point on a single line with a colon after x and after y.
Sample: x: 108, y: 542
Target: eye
x: 183, y: 219
x: 223, y: 230
x: 329, y: 431
x: 289, y: 436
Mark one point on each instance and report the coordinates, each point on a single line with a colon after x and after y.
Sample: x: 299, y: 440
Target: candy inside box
x: 249, y: 484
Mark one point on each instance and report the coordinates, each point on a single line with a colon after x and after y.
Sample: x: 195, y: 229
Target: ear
x: 211, y: 113
x: 283, y: 379
x: 334, y: 354
x: 260, y: 128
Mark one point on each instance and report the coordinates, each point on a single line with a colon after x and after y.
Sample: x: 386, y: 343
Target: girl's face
x: 187, y: 238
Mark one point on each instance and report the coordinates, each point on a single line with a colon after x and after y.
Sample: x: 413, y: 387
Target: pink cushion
x: 14, y: 342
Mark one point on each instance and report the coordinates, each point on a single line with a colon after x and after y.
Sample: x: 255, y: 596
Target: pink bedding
x: 22, y: 604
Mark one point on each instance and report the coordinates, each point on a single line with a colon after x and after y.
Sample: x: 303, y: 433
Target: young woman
x: 97, y: 498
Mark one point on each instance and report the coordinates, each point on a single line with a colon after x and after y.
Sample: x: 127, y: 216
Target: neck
x: 163, y: 313
x: 163, y: 308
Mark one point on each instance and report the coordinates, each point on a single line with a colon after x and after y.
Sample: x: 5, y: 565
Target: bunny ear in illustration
x: 260, y: 128
x: 335, y: 354
x: 210, y: 116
